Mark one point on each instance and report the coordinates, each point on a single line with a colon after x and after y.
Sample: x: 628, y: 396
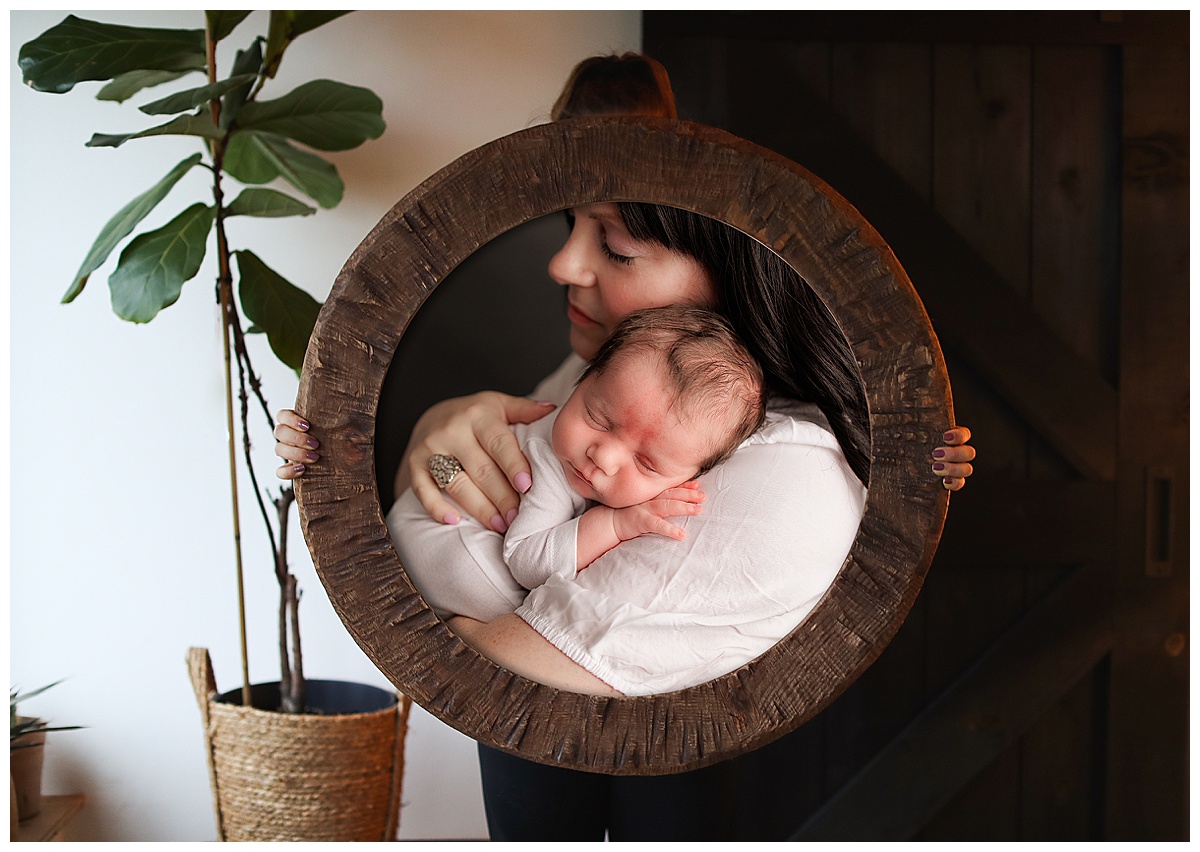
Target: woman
x: 620, y: 258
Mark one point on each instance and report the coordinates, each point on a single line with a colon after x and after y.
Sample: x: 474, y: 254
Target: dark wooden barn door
x: 1030, y: 172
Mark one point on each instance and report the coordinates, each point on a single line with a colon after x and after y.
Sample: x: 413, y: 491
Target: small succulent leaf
x: 321, y: 114
x: 192, y: 98
x: 246, y: 160
x: 248, y: 61
x: 267, y: 203
x: 257, y: 154
x: 285, y: 312
x: 15, y: 696
x: 125, y: 86
x: 222, y: 22
x: 77, y: 49
x: 200, y: 124
x: 155, y: 265
x: 122, y: 224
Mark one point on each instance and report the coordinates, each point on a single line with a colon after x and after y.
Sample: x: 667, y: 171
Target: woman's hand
x: 475, y: 430
x: 952, y: 462
x: 295, y: 445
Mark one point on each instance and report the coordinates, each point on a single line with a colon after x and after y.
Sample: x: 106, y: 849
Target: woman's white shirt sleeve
x: 655, y: 615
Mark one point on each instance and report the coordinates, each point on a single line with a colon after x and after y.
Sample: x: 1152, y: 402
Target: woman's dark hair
x: 629, y: 84
x: 787, y: 327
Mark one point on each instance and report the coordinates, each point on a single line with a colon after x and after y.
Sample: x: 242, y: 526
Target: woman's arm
x: 512, y: 644
x: 473, y: 429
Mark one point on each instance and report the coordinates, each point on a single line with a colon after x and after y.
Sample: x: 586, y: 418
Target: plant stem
x: 225, y: 299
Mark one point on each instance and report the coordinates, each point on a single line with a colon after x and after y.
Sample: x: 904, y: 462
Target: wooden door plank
x: 961, y: 732
x: 1148, y: 734
x: 1075, y: 238
x: 981, y: 175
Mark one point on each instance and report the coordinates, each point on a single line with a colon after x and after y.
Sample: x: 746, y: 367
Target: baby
x: 671, y: 394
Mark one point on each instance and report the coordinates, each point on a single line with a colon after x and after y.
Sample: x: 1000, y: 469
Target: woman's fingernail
x: 948, y: 437
x: 498, y: 524
x: 939, y: 453
x: 522, y: 481
x: 939, y: 467
x: 311, y: 442
x: 946, y: 483
x: 303, y: 426
x: 298, y: 468
x: 547, y: 404
x: 312, y: 456
x: 450, y: 518
x: 511, y: 516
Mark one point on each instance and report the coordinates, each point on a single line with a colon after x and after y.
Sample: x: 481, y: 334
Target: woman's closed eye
x: 610, y: 254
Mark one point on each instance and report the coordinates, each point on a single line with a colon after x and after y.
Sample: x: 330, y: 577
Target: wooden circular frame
x: 550, y: 168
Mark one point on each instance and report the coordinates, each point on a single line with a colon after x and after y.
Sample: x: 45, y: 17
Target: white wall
x: 121, y: 554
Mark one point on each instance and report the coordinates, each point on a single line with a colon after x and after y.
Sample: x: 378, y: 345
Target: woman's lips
x: 579, y: 317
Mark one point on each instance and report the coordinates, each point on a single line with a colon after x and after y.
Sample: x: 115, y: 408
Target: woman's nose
x: 569, y: 265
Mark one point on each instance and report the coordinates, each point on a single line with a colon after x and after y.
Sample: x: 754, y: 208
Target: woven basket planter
x: 327, y: 776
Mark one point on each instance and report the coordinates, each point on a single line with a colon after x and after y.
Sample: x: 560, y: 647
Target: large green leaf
x: 222, y: 22
x: 126, y: 85
x: 192, y: 98
x: 248, y: 61
x: 285, y: 312
x: 322, y: 114
x: 185, y: 125
x: 123, y: 223
x: 254, y: 157
x: 78, y: 49
x: 267, y: 203
x: 155, y: 265
x: 246, y: 160
x: 286, y: 26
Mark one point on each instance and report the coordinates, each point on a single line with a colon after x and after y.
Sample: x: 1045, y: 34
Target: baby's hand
x: 650, y: 517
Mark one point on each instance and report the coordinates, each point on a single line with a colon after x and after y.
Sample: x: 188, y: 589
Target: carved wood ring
x: 546, y: 169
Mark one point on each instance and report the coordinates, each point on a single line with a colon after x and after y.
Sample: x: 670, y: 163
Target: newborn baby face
x: 621, y: 437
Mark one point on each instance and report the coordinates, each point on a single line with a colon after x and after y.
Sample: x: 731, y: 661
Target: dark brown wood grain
x: 549, y: 168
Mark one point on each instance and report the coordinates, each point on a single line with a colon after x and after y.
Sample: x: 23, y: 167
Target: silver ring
x: 443, y: 469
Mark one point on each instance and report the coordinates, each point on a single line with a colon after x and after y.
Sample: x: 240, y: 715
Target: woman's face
x: 609, y: 275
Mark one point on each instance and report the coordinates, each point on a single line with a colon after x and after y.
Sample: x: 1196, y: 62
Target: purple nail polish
x: 298, y: 468
x: 303, y: 426
x: 311, y: 442
x: 312, y: 456
x: 498, y: 524
x: 939, y: 453
x: 450, y: 518
x: 939, y: 467
x: 948, y: 437
x: 511, y: 516
x: 522, y: 481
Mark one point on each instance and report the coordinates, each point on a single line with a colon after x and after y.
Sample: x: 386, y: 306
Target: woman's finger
x: 953, y: 471
x: 957, y: 435
x: 464, y: 493
x: 289, y: 471
x: 288, y: 436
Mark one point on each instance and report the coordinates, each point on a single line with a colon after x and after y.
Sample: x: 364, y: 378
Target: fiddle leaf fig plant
x: 242, y: 137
